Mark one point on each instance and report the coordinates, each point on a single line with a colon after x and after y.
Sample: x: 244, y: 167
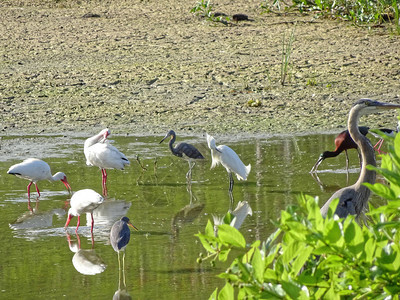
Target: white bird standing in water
x: 101, y: 154
x: 34, y: 170
x: 229, y: 159
x: 83, y: 201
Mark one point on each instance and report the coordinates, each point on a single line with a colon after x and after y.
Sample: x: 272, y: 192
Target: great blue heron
x: 101, y: 154
x: 229, y: 159
x: 353, y: 199
x: 343, y: 142
x: 119, y: 239
x: 34, y: 170
x: 184, y: 150
x: 83, y: 201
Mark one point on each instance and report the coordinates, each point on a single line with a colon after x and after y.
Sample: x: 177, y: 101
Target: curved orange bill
x: 67, y: 185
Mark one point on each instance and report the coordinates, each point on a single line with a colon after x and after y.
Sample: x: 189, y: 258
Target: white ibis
x: 34, y: 170
x: 184, y: 150
x: 83, y: 201
x: 101, y: 154
x: 229, y: 159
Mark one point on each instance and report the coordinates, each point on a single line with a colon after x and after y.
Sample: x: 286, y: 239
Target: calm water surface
x: 40, y: 260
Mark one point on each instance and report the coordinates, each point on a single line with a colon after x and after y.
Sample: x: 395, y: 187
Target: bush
x: 309, y: 256
x: 361, y: 11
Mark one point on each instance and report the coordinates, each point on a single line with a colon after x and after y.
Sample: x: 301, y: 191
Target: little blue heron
x: 100, y: 153
x: 83, y: 201
x: 229, y: 159
x: 343, y: 142
x: 353, y: 199
x: 119, y: 239
x: 34, y: 170
x: 183, y: 150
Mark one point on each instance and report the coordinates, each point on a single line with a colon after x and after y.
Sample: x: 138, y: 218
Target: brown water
x: 36, y: 260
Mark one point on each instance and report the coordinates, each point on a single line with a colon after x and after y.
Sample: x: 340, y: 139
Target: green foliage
x: 357, y: 11
x: 311, y: 257
x: 287, y: 49
x: 203, y: 8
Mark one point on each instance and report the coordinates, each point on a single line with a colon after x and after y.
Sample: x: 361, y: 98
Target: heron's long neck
x: 366, y: 149
x: 171, y: 143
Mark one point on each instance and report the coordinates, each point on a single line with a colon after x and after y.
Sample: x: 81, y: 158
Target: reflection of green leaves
x: 311, y: 257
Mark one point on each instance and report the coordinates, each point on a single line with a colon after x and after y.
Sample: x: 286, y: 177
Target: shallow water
x: 39, y: 259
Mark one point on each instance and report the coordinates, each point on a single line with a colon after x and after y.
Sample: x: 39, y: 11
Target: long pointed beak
x: 383, y: 105
x: 130, y: 224
x: 163, y: 139
x: 319, y: 161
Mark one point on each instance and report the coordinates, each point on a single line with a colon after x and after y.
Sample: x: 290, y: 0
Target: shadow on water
x: 154, y: 194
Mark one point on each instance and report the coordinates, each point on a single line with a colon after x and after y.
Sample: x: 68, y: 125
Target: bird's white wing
x: 231, y: 161
x: 105, y: 156
x: 31, y: 169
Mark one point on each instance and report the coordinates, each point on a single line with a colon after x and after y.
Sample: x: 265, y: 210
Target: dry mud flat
x: 149, y: 66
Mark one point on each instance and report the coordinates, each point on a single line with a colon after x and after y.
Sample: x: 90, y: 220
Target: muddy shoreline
x: 144, y: 68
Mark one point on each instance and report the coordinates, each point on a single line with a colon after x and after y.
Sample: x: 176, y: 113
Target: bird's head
x: 104, y: 134
x: 170, y: 133
x: 63, y: 178
x: 368, y: 106
x: 128, y: 222
x: 319, y: 161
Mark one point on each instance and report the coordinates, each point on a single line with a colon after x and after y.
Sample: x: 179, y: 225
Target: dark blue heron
x: 354, y: 198
x: 120, y: 234
x: 183, y: 150
x: 119, y: 238
x: 343, y: 142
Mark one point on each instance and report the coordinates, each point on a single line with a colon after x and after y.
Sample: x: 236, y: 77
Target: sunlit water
x: 39, y: 259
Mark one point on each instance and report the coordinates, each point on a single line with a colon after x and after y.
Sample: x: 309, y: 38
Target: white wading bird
x: 34, y: 170
x: 229, y: 159
x: 83, y: 201
x: 101, y: 154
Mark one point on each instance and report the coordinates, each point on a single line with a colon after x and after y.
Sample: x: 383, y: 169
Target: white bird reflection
x: 105, y: 216
x: 32, y: 224
x: 85, y: 261
x: 240, y: 213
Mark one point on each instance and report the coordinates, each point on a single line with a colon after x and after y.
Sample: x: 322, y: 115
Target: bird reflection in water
x: 119, y: 238
x: 234, y: 218
x: 85, y: 261
x: 187, y: 214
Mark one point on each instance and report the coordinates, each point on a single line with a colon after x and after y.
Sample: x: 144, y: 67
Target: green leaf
x: 381, y: 190
x: 209, y: 229
x: 223, y: 254
x: 231, y: 236
x: 205, y: 242
x: 226, y: 293
x: 301, y: 259
x: 214, y: 295
x: 258, y: 266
